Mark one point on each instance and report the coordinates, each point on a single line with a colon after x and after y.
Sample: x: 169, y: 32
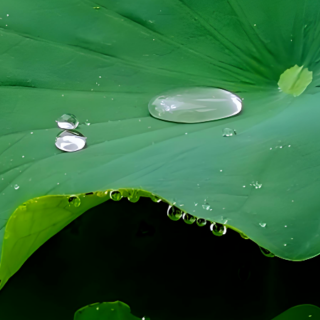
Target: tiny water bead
x: 194, y: 105
x: 174, y: 213
x: 67, y: 121
x: 188, y: 218
x: 262, y: 224
x: 201, y: 222
x: 155, y: 198
x: 227, y: 132
x: 242, y: 235
x: 16, y: 187
x: 87, y: 123
x: 116, y: 195
x: 70, y: 141
x: 218, y: 229
x: 74, y: 200
x: 257, y: 185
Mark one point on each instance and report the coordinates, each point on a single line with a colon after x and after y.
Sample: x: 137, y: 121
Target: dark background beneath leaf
x: 162, y: 269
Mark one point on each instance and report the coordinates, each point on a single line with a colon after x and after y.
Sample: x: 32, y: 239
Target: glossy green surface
x: 305, y: 311
x: 105, y: 311
x: 105, y: 64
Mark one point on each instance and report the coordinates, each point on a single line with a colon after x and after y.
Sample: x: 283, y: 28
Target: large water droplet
x: 74, y: 200
x: 218, y: 229
x: 115, y: 195
x: 70, y: 141
x: 134, y: 196
x: 174, y: 213
x: 188, y: 218
x: 16, y: 187
x: 67, y: 121
x: 193, y: 105
x: 201, y: 222
x: 227, y: 132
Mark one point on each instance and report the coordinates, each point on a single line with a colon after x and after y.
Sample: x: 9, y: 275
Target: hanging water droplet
x: 74, y: 200
x: 201, y: 222
x: 101, y: 194
x: 218, y: 229
x: 257, y: 185
x: 193, y: 105
x: 227, y: 132
x: 242, y: 235
x: 174, y: 213
x: 70, y: 141
x: 155, y: 198
x: 87, y: 123
x: 67, y: 121
x: 262, y: 224
x: 266, y: 252
x: 188, y: 218
x: 16, y: 187
x: 134, y: 196
x: 115, y: 195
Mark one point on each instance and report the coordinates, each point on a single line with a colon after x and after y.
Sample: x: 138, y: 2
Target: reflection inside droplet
x: 67, y: 121
x: 70, y: 141
x: 193, y: 105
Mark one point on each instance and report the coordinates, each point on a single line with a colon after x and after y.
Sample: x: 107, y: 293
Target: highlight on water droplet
x: 256, y: 184
x: 87, y: 123
x: 218, y: 229
x: 227, y: 132
x: 16, y: 187
x: 70, y: 141
x: 174, y: 213
x: 194, y: 105
x: 188, y: 218
x: 74, y: 200
x: 201, y: 222
x: 262, y: 224
x: 206, y: 206
x: 67, y: 121
x: 116, y: 195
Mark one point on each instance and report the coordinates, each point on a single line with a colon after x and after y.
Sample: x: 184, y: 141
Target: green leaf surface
x: 103, y: 61
x: 304, y: 311
x: 105, y: 311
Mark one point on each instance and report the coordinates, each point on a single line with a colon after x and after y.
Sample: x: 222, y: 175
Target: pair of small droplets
x: 175, y: 214
x: 70, y: 140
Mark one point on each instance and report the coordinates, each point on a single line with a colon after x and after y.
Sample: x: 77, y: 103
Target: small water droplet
x: 188, y: 218
x: 227, y: 132
x: 67, y: 121
x: 285, y: 226
x: 285, y: 244
x: 257, y: 185
x: 194, y: 105
x: 220, y: 170
x: 102, y: 194
x: 244, y: 186
x: 218, y: 229
x: 242, y: 235
x: 289, y: 146
x: 70, y: 141
x: 266, y: 252
x: 87, y: 123
x: 31, y: 132
x: 16, y: 187
x: 57, y: 182
x: 206, y: 206
x: 74, y: 200
x: 97, y: 308
x: 201, y: 222
x: 116, y: 195
x: 23, y: 207
x: 280, y: 147
x: 155, y: 198
x: 174, y: 213
x: 186, y: 133
x: 100, y: 77
x: 254, y: 25
x: 270, y: 148
x: 262, y: 224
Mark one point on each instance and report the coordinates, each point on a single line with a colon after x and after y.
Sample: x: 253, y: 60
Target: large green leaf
x: 104, y: 61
